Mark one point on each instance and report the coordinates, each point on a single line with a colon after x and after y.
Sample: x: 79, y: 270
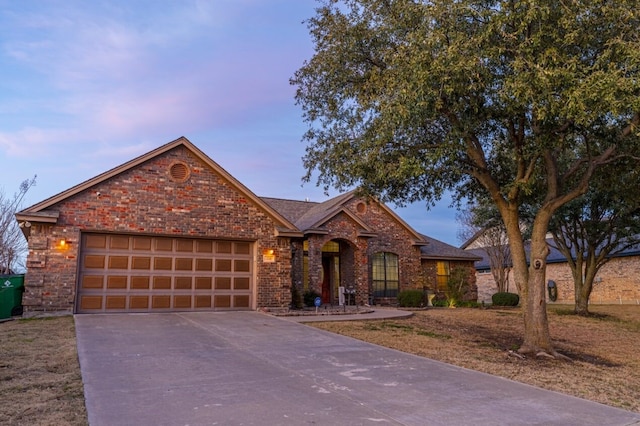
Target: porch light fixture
x: 268, y: 255
x: 64, y: 243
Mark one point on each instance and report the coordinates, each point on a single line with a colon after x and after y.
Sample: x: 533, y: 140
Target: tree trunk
x: 584, y: 285
x: 582, y: 294
x: 536, y: 332
x: 534, y: 306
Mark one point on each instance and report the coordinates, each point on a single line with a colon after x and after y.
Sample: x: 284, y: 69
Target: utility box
x: 11, y: 289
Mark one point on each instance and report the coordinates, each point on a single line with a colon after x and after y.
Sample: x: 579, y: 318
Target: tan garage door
x: 126, y: 273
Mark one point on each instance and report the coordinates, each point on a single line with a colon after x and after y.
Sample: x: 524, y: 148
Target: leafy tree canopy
x: 409, y: 98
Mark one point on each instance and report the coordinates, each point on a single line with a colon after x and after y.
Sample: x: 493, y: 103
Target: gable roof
x: 38, y: 213
x: 436, y: 249
x: 309, y: 217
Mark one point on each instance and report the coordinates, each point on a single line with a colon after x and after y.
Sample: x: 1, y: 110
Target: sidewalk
x: 361, y: 314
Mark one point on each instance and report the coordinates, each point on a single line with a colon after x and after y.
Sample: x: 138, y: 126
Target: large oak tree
x: 409, y: 98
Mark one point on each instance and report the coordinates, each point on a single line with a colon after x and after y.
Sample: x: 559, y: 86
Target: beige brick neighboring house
x: 617, y: 282
x: 171, y: 230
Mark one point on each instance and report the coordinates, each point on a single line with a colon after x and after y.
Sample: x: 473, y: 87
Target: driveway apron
x: 249, y: 368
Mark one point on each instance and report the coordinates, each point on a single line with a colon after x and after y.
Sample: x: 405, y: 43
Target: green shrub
x: 440, y: 303
x: 468, y: 304
x: 410, y: 298
x: 309, y: 297
x: 505, y: 299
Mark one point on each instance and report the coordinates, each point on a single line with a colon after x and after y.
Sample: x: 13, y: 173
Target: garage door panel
x: 141, y: 263
x: 121, y: 273
x: 184, y: 246
x: 242, y: 248
x: 204, y: 265
x: 96, y: 241
x: 222, y: 301
x: 223, y: 247
x: 162, y: 283
x: 142, y: 243
x: 223, y: 283
x: 184, y: 264
x: 139, y: 283
x: 161, y: 302
x: 116, y: 302
x: 139, y: 302
x: 162, y: 263
x: 241, y: 301
x: 182, y: 302
x: 94, y: 261
x: 203, y: 301
x: 204, y: 246
x: 91, y: 303
x: 117, y: 281
x: 118, y: 262
x: 119, y: 242
x: 183, y: 283
x: 164, y: 244
x: 241, y: 283
x: 223, y: 265
x: 203, y: 283
x: 92, y: 281
x: 241, y: 266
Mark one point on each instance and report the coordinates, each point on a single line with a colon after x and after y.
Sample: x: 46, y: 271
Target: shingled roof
x: 307, y: 215
x: 436, y: 249
x: 293, y: 210
x: 310, y: 216
x: 555, y: 255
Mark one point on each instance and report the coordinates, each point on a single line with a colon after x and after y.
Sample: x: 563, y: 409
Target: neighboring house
x: 171, y: 230
x: 617, y: 282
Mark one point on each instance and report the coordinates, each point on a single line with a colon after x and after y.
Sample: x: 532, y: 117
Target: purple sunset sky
x: 87, y: 86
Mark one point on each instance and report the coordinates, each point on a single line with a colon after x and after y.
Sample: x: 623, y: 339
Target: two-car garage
x: 167, y: 231
x: 138, y: 273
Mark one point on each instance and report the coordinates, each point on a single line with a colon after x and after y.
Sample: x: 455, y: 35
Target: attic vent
x: 179, y: 172
x: 361, y: 208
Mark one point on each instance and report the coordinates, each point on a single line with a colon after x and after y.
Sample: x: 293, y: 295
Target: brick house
x: 171, y: 230
x: 617, y: 282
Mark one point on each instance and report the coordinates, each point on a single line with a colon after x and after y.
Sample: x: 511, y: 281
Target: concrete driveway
x: 248, y: 368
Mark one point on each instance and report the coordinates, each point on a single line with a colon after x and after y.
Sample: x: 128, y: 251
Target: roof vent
x: 179, y: 172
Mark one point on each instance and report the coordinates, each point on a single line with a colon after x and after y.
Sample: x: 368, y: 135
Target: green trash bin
x: 11, y: 289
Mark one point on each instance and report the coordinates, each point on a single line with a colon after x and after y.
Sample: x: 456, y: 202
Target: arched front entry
x: 337, y: 269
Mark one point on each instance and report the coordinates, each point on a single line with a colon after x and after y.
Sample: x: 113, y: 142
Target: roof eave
x: 38, y: 217
x: 464, y: 259
x: 289, y: 233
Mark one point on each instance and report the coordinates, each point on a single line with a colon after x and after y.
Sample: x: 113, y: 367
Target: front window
x: 442, y: 275
x: 385, y: 274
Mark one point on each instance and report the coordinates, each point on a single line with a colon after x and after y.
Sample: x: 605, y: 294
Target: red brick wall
x: 391, y: 237
x: 146, y: 200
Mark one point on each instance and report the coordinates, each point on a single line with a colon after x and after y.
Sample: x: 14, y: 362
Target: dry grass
x: 605, y: 348
x: 40, y: 379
